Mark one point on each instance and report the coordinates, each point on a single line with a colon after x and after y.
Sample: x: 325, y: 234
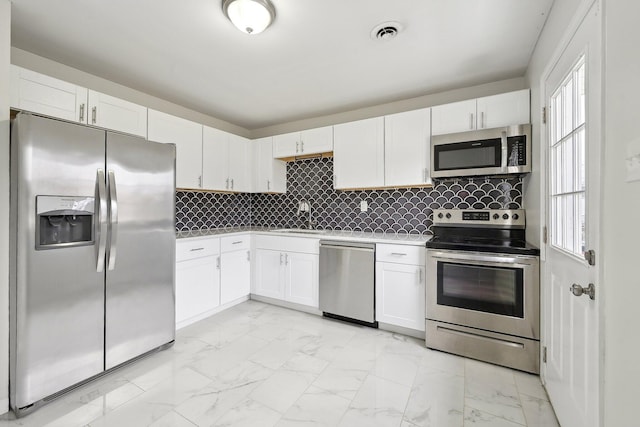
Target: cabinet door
x: 286, y: 145
x: 454, y: 117
x: 406, y: 148
x: 358, y: 154
x: 400, y: 295
x: 301, y: 280
x: 269, y: 273
x: 187, y: 136
x: 235, y: 275
x: 319, y: 140
x: 117, y: 114
x: 270, y: 175
x: 197, y: 287
x: 239, y: 164
x: 215, y: 159
x: 35, y: 92
x: 505, y: 109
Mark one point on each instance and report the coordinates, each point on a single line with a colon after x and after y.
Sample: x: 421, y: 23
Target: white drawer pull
x: 238, y: 242
x: 398, y: 254
x: 196, y: 249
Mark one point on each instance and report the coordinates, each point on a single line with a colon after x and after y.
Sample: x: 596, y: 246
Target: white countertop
x: 353, y: 236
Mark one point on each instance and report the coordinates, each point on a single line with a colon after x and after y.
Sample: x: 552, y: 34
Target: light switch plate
x: 364, y: 206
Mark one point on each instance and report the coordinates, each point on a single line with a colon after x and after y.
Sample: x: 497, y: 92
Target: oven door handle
x: 496, y: 260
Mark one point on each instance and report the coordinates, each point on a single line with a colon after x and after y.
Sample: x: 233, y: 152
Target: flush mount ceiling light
x: 249, y: 16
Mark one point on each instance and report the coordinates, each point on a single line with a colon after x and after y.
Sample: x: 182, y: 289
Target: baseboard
x: 209, y: 313
x: 401, y: 330
x: 4, y: 406
x: 287, y: 304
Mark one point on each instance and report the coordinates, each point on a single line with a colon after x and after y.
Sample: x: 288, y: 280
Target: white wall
x: 621, y: 213
x: 5, y: 44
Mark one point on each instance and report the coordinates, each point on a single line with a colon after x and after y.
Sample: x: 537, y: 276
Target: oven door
x: 494, y: 292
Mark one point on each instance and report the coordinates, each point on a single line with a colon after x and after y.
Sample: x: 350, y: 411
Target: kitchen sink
x: 299, y: 231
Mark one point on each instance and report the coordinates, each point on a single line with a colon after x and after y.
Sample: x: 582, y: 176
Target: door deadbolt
x: 578, y: 290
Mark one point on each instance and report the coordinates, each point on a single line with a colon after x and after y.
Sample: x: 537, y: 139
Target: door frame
x: 578, y: 18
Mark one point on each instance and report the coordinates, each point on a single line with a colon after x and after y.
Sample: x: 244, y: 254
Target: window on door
x: 568, y: 162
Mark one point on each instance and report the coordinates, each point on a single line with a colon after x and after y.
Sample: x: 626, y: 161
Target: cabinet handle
x: 420, y: 270
x: 268, y: 185
x: 227, y: 184
x: 398, y: 254
x: 424, y: 175
x: 93, y: 115
x: 297, y: 144
x: 482, y: 119
x: 81, y: 113
x: 218, y: 263
x: 280, y: 258
x: 249, y: 256
x: 200, y: 181
x: 471, y: 121
x: 286, y: 259
x: 236, y: 242
x: 196, y: 249
x: 232, y: 183
x: 302, y: 146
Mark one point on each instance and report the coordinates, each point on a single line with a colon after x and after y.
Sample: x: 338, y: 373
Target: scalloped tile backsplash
x: 392, y: 211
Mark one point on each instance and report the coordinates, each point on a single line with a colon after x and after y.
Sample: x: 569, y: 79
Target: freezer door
x: 57, y: 294
x: 140, y: 262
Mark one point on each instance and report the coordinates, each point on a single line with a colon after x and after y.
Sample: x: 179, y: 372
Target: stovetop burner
x: 495, y: 231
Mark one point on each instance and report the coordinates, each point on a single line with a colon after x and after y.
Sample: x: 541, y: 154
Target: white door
x: 215, y: 159
x: 301, y: 281
x: 505, y: 109
x: 318, y: 140
x: 239, y: 164
x: 453, y: 118
x: 358, y: 154
x: 114, y: 113
x: 286, y: 145
x: 235, y: 275
x: 197, y: 287
x: 571, y: 323
x: 400, y: 295
x: 269, y: 174
x: 406, y: 148
x: 269, y: 273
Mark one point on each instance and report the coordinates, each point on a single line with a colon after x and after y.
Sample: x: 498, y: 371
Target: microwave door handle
x: 513, y: 260
x: 505, y: 148
x: 113, y: 221
x: 101, y: 220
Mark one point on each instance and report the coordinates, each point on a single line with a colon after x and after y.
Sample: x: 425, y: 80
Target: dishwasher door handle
x: 348, y: 248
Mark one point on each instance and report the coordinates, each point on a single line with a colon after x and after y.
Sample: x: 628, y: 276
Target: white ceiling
x: 316, y: 59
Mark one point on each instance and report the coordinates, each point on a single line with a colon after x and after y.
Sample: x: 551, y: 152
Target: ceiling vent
x: 386, y: 30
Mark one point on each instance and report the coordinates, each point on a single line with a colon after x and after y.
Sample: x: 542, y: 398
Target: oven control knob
x: 505, y: 216
x: 448, y: 215
x: 496, y: 216
x: 440, y: 215
x: 515, y: 216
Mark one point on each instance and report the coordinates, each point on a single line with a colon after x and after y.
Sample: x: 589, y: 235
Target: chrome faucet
x: 305, y: 207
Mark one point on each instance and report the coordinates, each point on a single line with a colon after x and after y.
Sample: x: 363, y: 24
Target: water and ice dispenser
x: 63, y: 221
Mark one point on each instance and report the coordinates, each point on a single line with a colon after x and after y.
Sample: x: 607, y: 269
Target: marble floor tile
x: 255, y: 364
x: 315, y: 408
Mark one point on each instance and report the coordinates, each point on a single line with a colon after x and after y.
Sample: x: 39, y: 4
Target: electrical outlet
x: 364, y: 206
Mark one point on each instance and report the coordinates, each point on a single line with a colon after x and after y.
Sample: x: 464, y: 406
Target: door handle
x: 113, y: 221
x: 302, y: 146
x: 232, y: 183
x: 94, y: 113
x: 420, y: 270
x: 227, y: 186
x: 101, y: 220
x: 482, y: 120
x: 578, y: 290
x: 280, y: 258
x: 218, y: 263
x: 471, y: 121
x: 81, y: 119
x: 297, y: 145
x: 286, y: 259
x: 249, y: 256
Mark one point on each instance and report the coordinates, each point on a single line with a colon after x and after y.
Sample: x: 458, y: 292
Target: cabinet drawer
x: 400, y: 254
x: 288, y: 244
x: 196, y: 248
x: 235, y: 243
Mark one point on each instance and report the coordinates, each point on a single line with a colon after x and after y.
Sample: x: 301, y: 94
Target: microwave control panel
x: 517, y: 150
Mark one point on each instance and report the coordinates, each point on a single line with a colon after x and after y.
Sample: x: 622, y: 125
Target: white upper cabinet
x: 270, y: 175
x: 225, y: 161
x: 406, y: 148
x: 505, y: 109
x: 117, y: 114
x: 35, y: 92
x: 187, y: 136
x: 454, y: 117
x: 512, y: 108
x: 359, y: 154
x: 311, y: 141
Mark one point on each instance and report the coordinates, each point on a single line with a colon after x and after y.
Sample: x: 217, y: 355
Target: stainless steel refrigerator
x: 93, y: 254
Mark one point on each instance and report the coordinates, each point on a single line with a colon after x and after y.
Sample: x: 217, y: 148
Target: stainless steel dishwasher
x: 347, y: 281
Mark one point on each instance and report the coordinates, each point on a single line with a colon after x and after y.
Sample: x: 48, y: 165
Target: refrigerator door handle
x: 102, y: 220
x: 113, y: 221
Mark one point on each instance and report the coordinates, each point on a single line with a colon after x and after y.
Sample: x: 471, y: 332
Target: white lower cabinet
x: 280, y: 272
x: 235, y: 268
x: 400, y: 286
x: 197, y: 279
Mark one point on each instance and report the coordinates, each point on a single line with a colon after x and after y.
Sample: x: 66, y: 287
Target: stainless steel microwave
x: 497, y: 151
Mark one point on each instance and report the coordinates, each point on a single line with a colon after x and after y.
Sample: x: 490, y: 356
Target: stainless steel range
x: 483, y: 290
